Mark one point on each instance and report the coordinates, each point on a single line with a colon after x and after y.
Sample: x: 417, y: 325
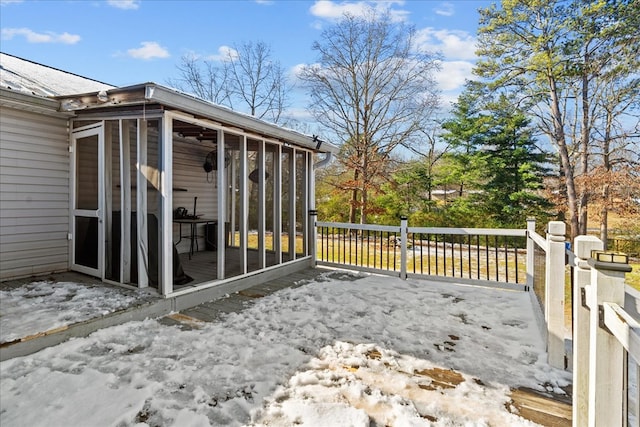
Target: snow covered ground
x: 333, y: 352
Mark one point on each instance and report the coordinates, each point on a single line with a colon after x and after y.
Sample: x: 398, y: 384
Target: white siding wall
x: 34, y: 193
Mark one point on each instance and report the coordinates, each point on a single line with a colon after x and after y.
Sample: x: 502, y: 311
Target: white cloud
x: 149, y: 50
x: 454, y: 44
x: 453, y: 74
x: 265, y: 2
x: 224, y: 53
x: 294, y: 71
x: 444, y: 9
x: 124, y: 4
x: 331, y: 10
x: 33, y: 37
x: 6, y: 2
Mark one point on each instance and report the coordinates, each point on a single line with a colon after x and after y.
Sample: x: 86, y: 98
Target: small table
x: 193, y: 222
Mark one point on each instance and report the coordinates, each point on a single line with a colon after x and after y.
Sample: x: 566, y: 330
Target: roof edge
x: 29, y: 102
x: 180, y: 100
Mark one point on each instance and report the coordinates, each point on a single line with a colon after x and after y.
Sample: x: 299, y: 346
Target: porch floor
x: 202, y: 265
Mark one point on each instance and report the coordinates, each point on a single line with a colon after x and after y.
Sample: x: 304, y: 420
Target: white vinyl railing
x: 487, y: 255
x: 547, y: 281
x: 606, y: 339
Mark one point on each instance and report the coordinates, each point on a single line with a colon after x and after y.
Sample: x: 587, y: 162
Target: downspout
x: 322, y: 163
x: 313, y: 213
x: 328, y: 157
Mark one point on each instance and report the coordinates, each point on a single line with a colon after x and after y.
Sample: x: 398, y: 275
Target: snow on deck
x: 332, y: 352
x: 44, y: 306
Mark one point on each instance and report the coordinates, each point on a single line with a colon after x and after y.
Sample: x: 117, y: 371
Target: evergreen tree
x: 514, y: 167
x: 497, y: 154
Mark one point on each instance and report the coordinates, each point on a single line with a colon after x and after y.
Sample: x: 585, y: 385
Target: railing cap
x: 610, y: 260
x: 557, y: 228
x: 585, y: 244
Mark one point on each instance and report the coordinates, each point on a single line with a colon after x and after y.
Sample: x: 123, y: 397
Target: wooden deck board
x: 546, y: 410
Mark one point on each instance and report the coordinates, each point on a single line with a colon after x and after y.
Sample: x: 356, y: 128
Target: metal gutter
x: 34, y: 103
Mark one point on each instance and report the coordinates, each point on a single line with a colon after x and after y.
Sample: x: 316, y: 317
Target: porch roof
x: 152, y: 97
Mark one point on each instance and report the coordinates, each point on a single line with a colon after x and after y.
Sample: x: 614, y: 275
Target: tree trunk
x: 354, y: 199
x: 363, y: 206
x: 565, y: 161
x: 604, y: 214
x: 606, y: 163
x: 584, y: 149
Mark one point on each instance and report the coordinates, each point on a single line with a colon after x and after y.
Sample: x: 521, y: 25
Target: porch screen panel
x: 112, y: 200
x: 86, y: 228
x: 232, y: 265
x: 301, y: 203
x: 87, y: 174
x: 286, y: 196
x: 121, y: 262
x: 271, y: 213
x: 253, y: 176
x: 151, y: 174
x: 86, y: 231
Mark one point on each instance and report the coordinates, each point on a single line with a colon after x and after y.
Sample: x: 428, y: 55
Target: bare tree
x: 373, y: 91
x: 245, y: 78
x: 203, y: 78
x: 617, y: 149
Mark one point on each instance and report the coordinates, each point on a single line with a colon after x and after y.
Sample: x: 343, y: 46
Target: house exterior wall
x: 34, y: 193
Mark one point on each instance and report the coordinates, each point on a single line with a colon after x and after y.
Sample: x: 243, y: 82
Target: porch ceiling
x: 200, y: 133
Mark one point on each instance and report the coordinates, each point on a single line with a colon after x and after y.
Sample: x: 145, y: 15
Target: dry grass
x: 633, y: 279
x: 461, y: 260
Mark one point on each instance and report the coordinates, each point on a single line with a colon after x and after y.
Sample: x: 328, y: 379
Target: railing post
x: 313, y: 236
x: 554, y: 293
x: 531, y: 227
x: 606, y: 353
x: 582, y: 277
x: 403, y: 247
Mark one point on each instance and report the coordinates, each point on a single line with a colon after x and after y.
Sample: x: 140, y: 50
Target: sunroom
x: 171, y: 192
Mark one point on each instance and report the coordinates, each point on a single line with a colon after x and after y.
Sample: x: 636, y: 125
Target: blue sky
x: 124, y: 42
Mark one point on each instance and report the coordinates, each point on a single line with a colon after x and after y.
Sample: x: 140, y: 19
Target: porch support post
x: 313, y: 236
x: 277, y: 204
x: 141, y: 206
x: 531, y: 228
x: 165, y: 257
x: 221, y: 244
x: 311, y: 197
x: 292, y: 204
x: 244, y: 204
x: 108, y: 201
x: 304, y: 202
x: 403, y: 247
x: 582, y: 277
x: 606, y: 353
x: 233, y: 196
x: 262, y: 260
x: 554, y: 295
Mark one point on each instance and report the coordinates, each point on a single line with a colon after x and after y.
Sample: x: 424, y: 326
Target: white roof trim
x: 181, y: 101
